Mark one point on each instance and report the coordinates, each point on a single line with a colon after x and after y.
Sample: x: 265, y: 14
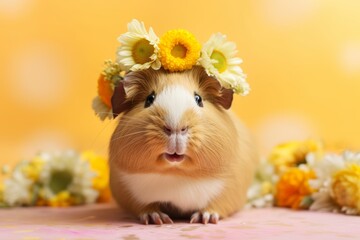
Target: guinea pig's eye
x: 149, y: 100
x: 198, y: 100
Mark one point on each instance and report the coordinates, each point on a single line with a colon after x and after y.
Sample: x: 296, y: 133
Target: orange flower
x: 293, y: 188
x: 105, y: 90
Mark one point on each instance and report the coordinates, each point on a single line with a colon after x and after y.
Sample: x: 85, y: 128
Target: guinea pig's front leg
x: 151, y: 214
x: 205, y: 216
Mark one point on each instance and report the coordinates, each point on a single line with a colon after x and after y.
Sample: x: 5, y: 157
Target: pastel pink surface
x: 106, y: 221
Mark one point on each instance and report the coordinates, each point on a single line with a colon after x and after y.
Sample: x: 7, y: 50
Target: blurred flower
x: 61, y: 199
x: 33, y: 168
x: 218, y: 59
x: 293, y: 189
x: 101, y: 181
x: 57, y: 179
x: 346, y: 187
x: 138, y: 50
x: 301, y: 177
x: 261, y: 192
x: 293, y: 154
x: 66, y: 171
x: 323, y: 202
x: 179, y: 50
x: 335, y: 184
x: 101, y: 109
x: 17, y: 190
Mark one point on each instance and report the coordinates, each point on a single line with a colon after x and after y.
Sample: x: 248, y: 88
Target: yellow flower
x: 33, y: 169
x: 293, y: 187
x: 292, y: 154
x: 62, y: 199
x: 179, y: 50
x: 101, y: 181
x: 346, y: 187
x: 266, y: 188
x: 113, y: 71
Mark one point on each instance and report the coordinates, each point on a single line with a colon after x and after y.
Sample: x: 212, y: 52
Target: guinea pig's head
x: 171, y: 123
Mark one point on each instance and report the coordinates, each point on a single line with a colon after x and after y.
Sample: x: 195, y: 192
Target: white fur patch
x: 176, y: 100
x: 185, y: 193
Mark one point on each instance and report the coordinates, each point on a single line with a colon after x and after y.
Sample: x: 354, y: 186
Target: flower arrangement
x: 57, y: 179
x: 299, y: 175
x: 296, y: 175
x: 177, y: 50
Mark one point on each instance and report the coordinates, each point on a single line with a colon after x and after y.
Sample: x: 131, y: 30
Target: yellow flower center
x: 179, y: 51
x: 142, y: 51
x: 221, y: 64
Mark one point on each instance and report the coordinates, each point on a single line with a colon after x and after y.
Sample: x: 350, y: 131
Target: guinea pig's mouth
x: 174, y: 157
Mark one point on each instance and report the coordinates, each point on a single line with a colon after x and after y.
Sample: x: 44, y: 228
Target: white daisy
x: 66, y: 171
x: 17, y: 190
x: 218, y: 59
x: 139, y: 48
x: 101, y: 109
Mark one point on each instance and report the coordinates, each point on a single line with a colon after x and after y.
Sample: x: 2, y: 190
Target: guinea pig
x: 177, y: 151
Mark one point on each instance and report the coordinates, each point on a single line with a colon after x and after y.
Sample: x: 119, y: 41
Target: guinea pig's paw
x: 204, y: 217
x: 157, y: 218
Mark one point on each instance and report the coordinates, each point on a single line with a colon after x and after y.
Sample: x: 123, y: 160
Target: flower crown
x: 177, y: 50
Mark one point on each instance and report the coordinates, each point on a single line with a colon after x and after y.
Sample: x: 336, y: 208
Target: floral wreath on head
x: 177, y: 50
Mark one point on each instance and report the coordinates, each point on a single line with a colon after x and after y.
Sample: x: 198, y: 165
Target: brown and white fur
x: 176, y: 158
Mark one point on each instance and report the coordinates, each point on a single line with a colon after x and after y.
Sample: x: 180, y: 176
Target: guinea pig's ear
x: 118, y: 100
x: 212, y: 88
x: 225, y: 98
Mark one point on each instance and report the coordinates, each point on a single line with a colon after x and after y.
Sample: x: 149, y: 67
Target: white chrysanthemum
x: 66, y: 171
x: 101, y: 109
x: 258, y: 197
x: 139, y: 48
x: 17, y: 189
x: 218, y: 59
x: 261, y: 192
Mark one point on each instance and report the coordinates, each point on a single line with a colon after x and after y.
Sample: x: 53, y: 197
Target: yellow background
x: 302, y: 58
